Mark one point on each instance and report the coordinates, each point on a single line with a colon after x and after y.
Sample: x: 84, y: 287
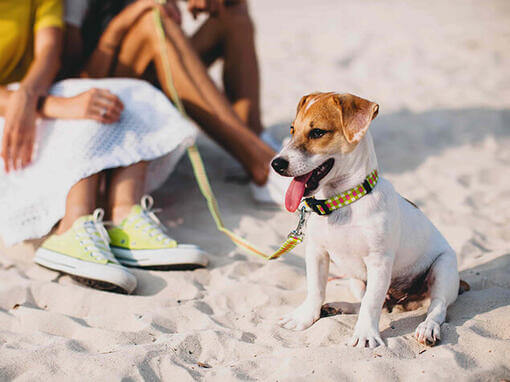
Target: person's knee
x: 146, y: 24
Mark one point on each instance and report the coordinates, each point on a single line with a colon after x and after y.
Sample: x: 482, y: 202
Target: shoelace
x: 149, y: 223
x: 94, y: 237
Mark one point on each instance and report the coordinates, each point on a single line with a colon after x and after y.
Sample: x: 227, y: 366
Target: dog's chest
x: 346, y: 244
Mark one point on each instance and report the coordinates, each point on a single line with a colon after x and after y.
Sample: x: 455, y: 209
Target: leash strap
x: 294, y: 238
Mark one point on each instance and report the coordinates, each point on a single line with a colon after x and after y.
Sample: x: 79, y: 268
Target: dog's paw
x: 363, y: 338
x: 428, y: 332
x: 300, y: 319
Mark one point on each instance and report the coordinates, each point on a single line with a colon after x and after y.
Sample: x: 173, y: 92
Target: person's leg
x: 125, y: 189
x: 82, y: 252
x: 141, y: 240
x: 231, y: 36
x: 80, y: 201
x: 203, y: 101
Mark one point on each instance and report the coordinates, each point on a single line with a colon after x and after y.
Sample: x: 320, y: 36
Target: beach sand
x: 440, y: 73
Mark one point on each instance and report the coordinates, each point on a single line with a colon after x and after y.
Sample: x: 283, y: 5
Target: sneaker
x: 142, y: 241
x: 83, y: 252
x: 273, y: 192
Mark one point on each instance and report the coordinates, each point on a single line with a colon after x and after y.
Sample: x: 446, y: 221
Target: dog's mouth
x: 305, y: 184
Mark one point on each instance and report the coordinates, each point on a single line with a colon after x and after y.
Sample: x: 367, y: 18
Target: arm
x: 20, y: 106
x: 103, y: 57
x: 4, y: 99
x: 42, y: 71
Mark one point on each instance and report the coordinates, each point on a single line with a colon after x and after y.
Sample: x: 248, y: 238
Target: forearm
x: 100, y: 63
x: 42, y: 72
x: 57, y: 107
x: 36, y: 82
x: 4, y: 99
x: 102, y: 59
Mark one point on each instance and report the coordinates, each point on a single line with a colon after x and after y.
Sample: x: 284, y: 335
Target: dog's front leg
x: 317, y: 268
x: 366, y: 331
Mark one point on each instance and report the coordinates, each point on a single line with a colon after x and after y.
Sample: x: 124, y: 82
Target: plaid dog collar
x: 327, y: 206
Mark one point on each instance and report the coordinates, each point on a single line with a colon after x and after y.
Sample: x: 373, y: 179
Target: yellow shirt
x: 19, y: 21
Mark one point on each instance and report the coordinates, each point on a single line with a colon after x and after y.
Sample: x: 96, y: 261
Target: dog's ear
x: 304, y: 100
x: 357, y: 113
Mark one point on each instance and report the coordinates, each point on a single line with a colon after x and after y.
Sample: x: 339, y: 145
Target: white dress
x: 150, y: 128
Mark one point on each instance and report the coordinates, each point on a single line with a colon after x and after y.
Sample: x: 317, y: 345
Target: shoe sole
x: 179, y: 258
x: 98, y: 276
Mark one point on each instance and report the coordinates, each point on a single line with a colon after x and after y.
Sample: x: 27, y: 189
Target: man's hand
x: 19, y: 130
x: 200, y: 6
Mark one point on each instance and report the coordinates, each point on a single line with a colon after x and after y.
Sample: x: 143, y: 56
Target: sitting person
x: 59, y: 142
x: 130, y: 46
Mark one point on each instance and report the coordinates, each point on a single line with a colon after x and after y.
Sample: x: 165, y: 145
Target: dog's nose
x: 280, y: 165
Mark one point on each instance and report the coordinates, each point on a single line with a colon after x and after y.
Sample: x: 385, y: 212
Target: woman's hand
x: 97, y: 104
x: 121, y: 24
x: 19, y: 130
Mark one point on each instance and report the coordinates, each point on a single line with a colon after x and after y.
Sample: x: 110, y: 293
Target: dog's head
x: 327, y: 128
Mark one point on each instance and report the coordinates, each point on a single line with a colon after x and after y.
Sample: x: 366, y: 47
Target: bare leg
x: 203, y: 101
x: 80, y: 201
x: 231, y: 36
x: 444, y: 288
x: 125, y: 189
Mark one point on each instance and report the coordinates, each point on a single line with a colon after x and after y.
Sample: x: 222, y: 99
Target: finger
x: 26, y: 153
x: 110, y: 108
x: 109, y: 114
x: 100, y: 114
x: 14, y: 152
x: 111, y: 98
x: 5, y: 150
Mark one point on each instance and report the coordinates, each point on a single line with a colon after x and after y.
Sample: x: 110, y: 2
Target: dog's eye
x: 316, y: 133
x: 292, y: 130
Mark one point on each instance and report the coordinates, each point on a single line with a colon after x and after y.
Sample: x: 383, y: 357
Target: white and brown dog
x: 384, y: 243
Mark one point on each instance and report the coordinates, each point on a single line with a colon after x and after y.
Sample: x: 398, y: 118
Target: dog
x: 387, y: 247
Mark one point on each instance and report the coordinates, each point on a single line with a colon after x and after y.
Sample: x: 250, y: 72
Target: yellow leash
x: 293, y: 239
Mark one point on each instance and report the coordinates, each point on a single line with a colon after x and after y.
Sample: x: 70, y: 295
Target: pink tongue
x: 295, y: 192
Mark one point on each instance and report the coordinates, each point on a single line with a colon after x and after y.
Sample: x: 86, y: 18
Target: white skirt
x: 150, y: 128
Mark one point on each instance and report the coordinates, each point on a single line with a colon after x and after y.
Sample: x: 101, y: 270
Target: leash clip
x: 298, y: 232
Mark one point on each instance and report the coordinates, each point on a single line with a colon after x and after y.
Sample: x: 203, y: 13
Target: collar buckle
x: 318, y: 206
x: 367, y: 186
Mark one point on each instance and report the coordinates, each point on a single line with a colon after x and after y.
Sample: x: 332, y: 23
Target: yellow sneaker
x: 141, y: 241
x: 83, y: 252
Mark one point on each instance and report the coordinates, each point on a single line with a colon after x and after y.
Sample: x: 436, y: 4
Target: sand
x: 439, y: 71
